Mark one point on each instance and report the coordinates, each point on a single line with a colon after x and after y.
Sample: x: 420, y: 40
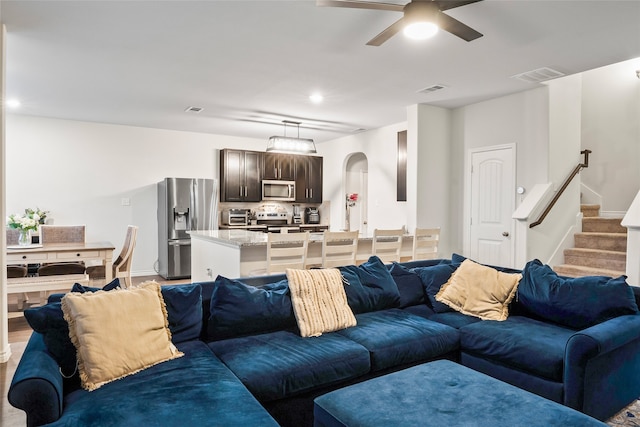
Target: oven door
x: 284, y: 191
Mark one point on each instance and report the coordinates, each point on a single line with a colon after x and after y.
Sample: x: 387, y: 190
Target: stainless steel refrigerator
x: 184, y: 204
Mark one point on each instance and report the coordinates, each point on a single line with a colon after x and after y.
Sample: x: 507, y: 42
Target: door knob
x: 505, y: 233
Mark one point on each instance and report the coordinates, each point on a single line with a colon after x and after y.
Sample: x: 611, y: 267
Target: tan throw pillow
x: 118, y: 333
x: 480, y: 291
x: 319, y: 301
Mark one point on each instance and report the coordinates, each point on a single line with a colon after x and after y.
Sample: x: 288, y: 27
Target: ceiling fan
x: 421, y: 19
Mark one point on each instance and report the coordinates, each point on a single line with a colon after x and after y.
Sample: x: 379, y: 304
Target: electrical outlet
x: 125, y: 201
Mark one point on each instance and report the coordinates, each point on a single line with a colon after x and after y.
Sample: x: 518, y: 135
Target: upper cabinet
x: 240, y: 176
x: 308, y: 179
x: 279, y: 166
x: 242, y: 172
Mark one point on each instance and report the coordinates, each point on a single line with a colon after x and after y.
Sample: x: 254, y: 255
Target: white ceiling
x: 142, y: 63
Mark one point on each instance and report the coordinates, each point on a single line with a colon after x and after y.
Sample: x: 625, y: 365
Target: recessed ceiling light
x: 13, y: 103
x: 316, y: 98
x: 193, y: 109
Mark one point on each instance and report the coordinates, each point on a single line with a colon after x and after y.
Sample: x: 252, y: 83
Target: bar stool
x: 286, y: 250
x: 339, y: 248
x: 387, y: 244
x: 425, y: 243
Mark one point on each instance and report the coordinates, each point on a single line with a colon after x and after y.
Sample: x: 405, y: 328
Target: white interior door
x: 492, y: 205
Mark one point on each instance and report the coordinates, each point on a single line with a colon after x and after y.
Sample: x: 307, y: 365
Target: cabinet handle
x: 311, y: 191
x: 77, y: 254
x: 24, y: 257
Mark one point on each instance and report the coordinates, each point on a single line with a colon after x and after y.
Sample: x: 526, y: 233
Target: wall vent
x: 193, y: 109
x: 539, y: 75
x: 432, y: 88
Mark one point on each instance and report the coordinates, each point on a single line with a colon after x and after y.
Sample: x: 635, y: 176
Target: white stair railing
x: 631, y: 220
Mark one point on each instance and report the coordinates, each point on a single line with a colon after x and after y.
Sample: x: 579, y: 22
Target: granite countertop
x: 240, y: 237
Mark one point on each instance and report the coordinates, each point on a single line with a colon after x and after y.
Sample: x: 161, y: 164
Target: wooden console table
x: 88, y: 252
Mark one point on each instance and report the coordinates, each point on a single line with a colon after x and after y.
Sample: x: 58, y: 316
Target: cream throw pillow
x: 480, y: 291
x: 319, y: 301
x: 118, y: 333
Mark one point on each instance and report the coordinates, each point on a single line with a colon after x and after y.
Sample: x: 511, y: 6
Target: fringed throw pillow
x: 319, y: 301
x: 118, y: 333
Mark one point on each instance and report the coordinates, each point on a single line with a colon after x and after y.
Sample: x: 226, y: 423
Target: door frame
x: 466, y: 244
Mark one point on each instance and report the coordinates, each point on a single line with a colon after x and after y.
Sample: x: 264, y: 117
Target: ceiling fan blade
x: 360, y: 5
x: 446, y: 5
x: 457, y: 28
x: 389, y: 32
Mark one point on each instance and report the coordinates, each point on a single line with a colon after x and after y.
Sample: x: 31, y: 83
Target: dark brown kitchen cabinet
x: 308, y: 179
x: 279, y: 166
x: 240, y: 172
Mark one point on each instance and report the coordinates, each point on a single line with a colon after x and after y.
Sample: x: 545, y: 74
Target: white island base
x: 242, y: 253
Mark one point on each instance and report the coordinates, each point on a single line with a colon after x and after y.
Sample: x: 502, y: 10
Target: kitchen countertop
x: 243, y: 238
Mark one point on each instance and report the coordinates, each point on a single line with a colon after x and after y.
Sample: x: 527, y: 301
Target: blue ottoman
x: 441, y: 393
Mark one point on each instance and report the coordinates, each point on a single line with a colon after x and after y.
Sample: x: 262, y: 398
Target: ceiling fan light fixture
x: 420, y: 30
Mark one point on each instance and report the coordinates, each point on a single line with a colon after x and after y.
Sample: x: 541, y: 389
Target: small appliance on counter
x: 236, y: 216
x: 297, y: 217
x: 311, y: 216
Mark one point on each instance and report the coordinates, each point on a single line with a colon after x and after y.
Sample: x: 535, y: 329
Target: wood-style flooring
x: 19, y: 333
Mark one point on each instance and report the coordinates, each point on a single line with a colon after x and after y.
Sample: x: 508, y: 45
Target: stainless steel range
x: 276, y: 221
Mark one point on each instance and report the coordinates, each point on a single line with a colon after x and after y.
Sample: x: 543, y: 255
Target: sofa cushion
x: 197, y: 385
x: 48, y: 320
x: 370, y: 286
x: 480, y: 291
x: 238, y: 309
x: 319, y: 301
x: 433, y: 277
x: 183, y: 302
x: 184, y: 309
x: 395, y: 337
x: 520, y: 342
x: 454, y: 319
x: 409, y: 285
x: 459, y: 259
x: 118, y: 333
x: 280, y: 364
x: 577, y: 303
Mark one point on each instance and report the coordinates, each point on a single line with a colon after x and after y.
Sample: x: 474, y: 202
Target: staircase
x: 601, y: 248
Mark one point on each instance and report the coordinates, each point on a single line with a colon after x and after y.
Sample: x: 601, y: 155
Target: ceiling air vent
x: 432, y: 88
x: 193, y: 109
x: 539, y: 75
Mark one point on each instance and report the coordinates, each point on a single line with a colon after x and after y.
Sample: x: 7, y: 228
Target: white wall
x: 611, y: 128
x: 520, y: 119
x: 81, y: 172
x: 380, y: 148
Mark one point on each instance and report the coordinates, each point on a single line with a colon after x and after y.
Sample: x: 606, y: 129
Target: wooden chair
x: 15, y: 271
x: 122, y: 264
x: 62, y: 234
x: 387, y: 244
x: 286, y: 250
x: 339, y: 248
x: 425, y: 243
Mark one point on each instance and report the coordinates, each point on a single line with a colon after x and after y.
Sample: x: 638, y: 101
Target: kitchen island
x: 243, y: 253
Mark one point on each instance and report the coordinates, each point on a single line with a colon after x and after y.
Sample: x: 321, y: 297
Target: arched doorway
x: 355, y: 185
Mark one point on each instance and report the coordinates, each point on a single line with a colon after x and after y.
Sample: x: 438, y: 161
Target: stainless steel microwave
x: 284, y: 191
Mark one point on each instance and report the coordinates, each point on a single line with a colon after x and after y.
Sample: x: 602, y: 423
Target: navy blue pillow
x: 409, y: 285
x: 370, y: 286
x: 574, y: 302
x: 48, y: 320
x: 433, y: 278
x: 240, y: 309
x: 77, y: 287
x: 184, y: 311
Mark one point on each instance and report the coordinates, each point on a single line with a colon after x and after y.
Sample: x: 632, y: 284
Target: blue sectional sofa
x: 577, y: 343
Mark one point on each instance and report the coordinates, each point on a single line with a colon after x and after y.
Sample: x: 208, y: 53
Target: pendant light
x: 291, y: 144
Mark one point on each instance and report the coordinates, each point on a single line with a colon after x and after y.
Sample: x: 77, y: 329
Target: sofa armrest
x: 611, y: 336
x: 36, y: 387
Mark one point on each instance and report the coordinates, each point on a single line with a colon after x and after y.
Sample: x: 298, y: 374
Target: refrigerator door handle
x: 193, y: 218
x: 182, y: 242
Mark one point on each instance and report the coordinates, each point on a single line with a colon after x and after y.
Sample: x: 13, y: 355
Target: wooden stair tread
x: 580, y: 271
x: 601, y: 253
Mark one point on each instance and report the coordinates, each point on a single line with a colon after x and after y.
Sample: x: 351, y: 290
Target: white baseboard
x: 144, y: 273
x: 612, y: 214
